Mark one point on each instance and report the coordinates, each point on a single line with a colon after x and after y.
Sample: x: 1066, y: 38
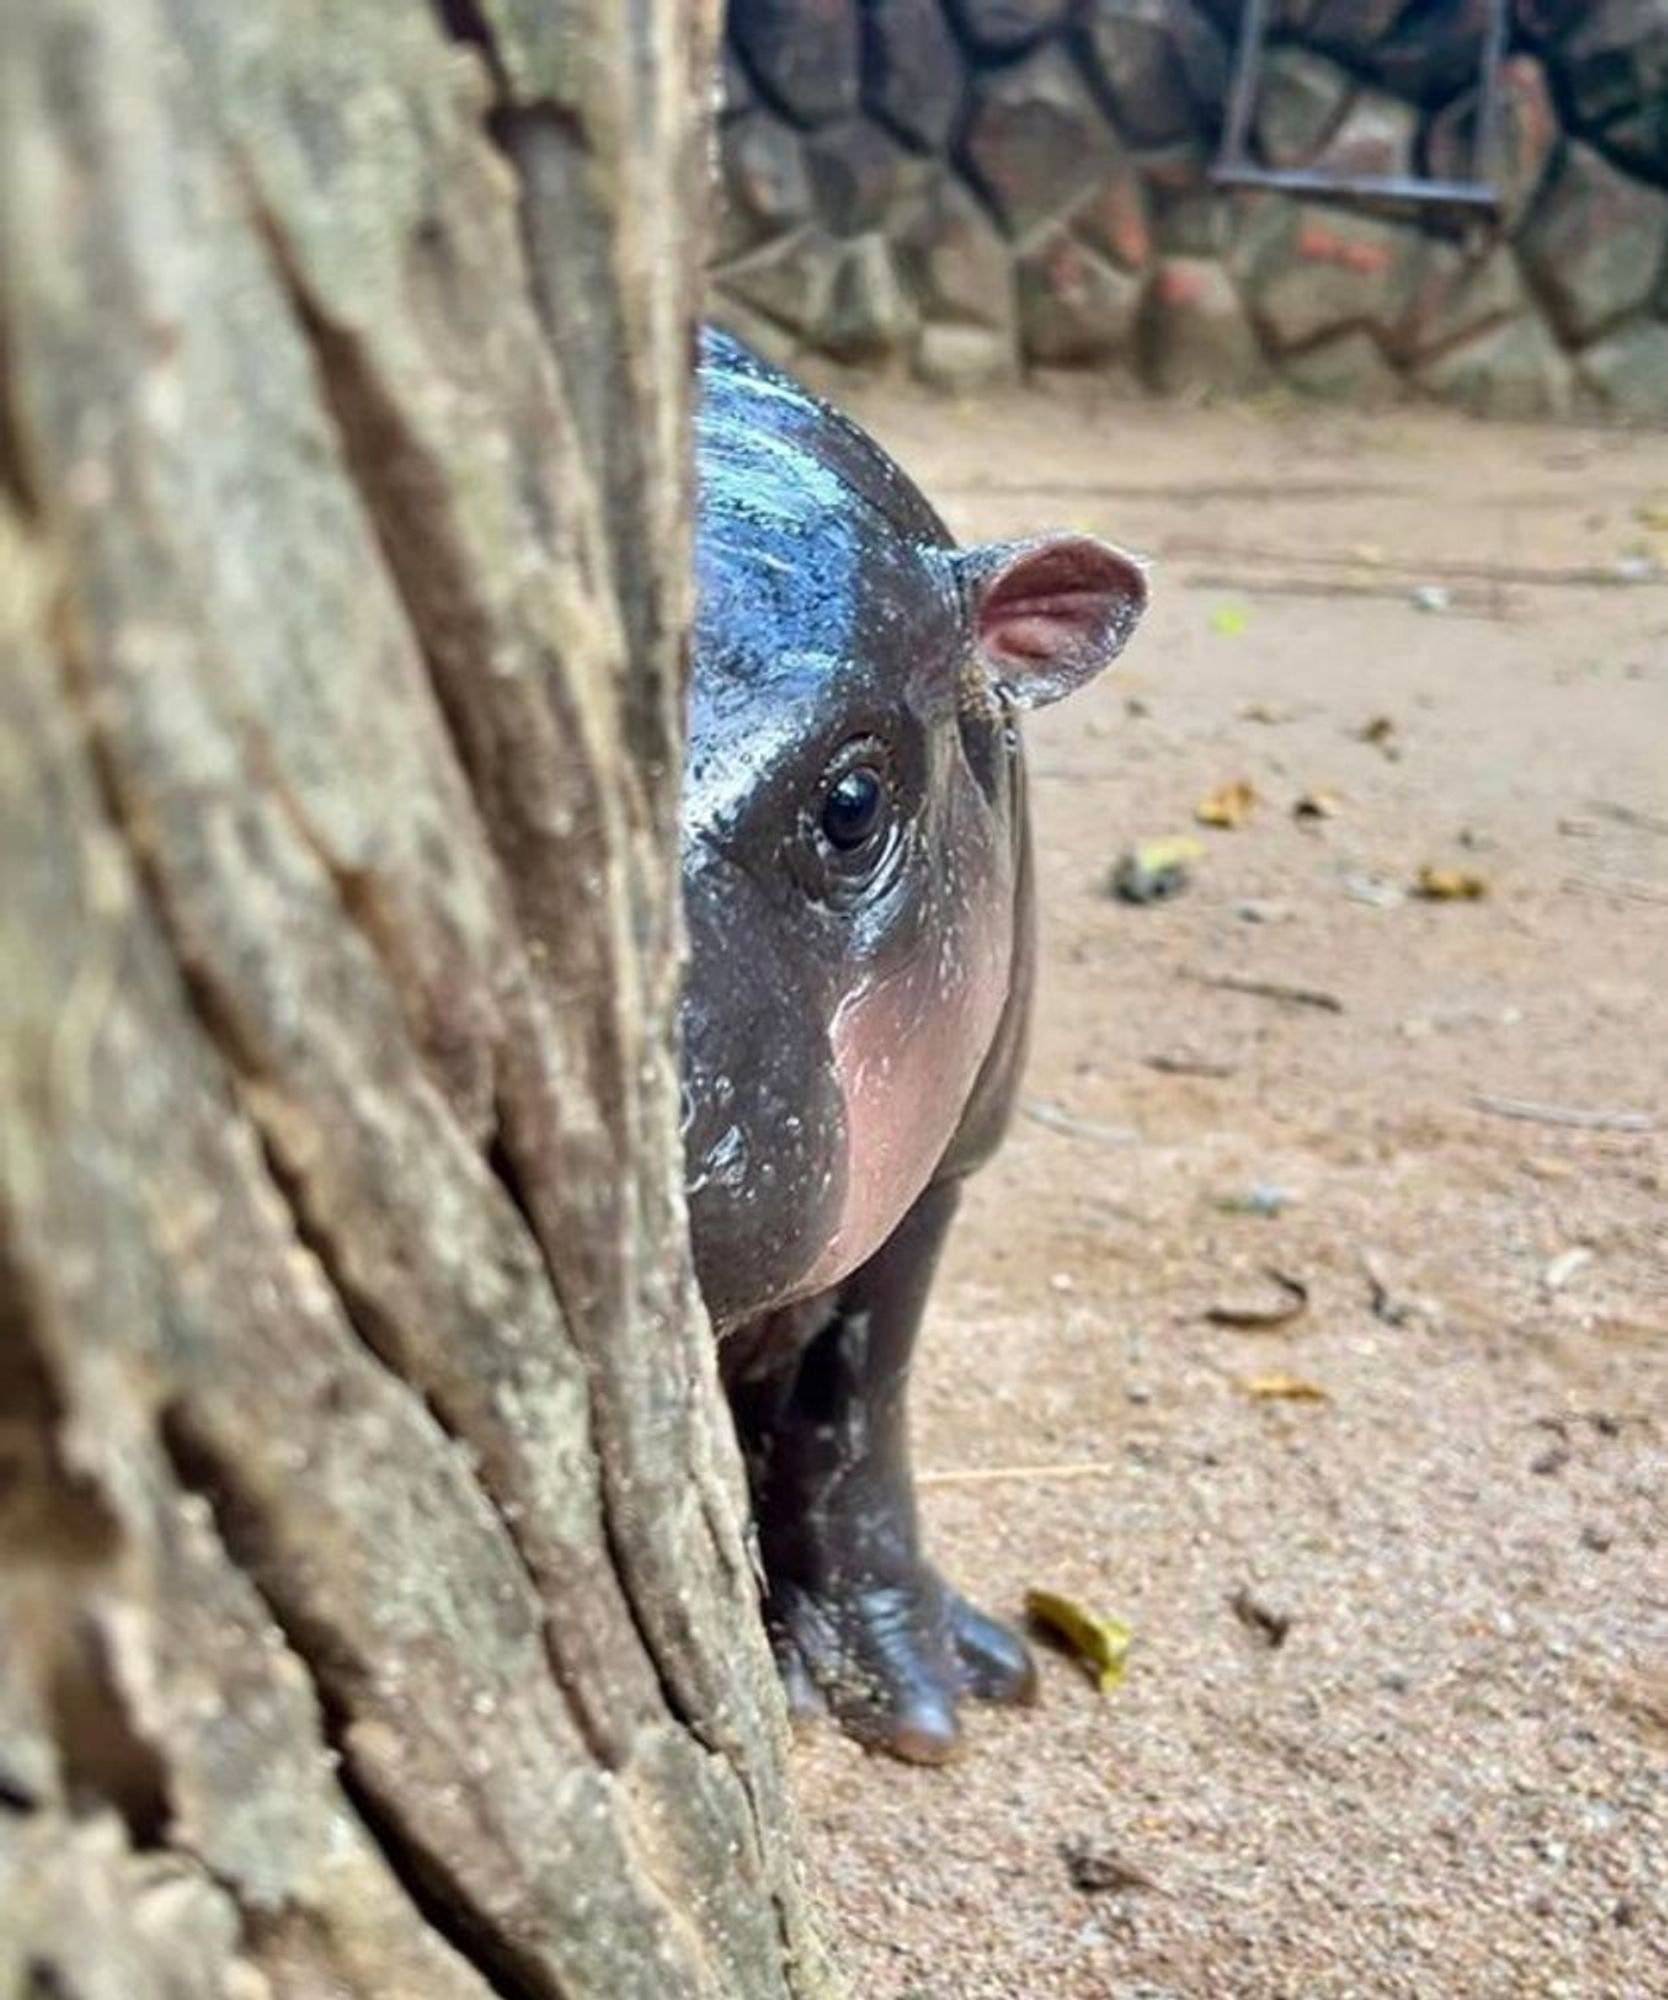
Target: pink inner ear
x: 1055, y: 614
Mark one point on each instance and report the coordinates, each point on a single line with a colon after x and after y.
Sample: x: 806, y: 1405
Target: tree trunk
x: 375, y: 1611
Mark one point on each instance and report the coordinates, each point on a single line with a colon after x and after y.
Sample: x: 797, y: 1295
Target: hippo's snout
x: 763, y: 1125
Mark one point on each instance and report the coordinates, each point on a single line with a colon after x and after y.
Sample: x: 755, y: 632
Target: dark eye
x: 853, y: 808
x: 853, y: 825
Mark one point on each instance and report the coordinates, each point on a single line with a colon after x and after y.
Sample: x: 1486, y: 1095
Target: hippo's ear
x: 1049, y: 614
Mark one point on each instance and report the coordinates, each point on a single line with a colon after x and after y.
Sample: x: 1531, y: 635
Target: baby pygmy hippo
x: 858, y: 886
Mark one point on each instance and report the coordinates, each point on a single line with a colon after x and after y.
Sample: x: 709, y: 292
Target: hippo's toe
x: 891, y: 1663
x: 996, y: 1663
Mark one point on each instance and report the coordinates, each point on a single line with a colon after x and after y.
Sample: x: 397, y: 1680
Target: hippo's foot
x: 891, y: 1661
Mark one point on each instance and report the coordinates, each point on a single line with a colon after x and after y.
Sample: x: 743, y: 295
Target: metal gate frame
x: 1234, y: 166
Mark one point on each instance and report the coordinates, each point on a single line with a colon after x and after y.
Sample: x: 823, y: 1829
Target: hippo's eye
x: 851, y: 824
x: 853, y: 808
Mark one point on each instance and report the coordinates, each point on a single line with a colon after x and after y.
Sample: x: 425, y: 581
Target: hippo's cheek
x: 907, y: 1050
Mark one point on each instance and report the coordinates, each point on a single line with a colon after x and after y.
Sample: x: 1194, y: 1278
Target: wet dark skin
x: 857, y: 882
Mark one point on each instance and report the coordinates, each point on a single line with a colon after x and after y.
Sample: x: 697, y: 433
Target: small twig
x: 1575, y: 1116
x: 1058, y: 1119
x: 1270, y: 989
x: 1185, y: 1065
x: 1648, y: 822
x: 1630, y: 887
x: 987, y: 1475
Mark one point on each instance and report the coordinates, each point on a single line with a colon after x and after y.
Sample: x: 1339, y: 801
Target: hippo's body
x: 857, y: 881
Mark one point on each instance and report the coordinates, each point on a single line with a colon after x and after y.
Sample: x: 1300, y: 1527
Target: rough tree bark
x: 376, y: 1616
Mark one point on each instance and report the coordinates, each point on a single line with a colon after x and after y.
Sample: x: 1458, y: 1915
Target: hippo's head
x: 852, y: 825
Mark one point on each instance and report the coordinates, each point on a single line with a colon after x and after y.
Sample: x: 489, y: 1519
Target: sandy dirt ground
x: 1449, y: 1776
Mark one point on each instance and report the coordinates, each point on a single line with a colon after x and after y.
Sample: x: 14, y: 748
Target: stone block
x: 955, y: 261
x: 1133, y: 50
x: 1036, y: 140
x: 790, y: 281
x: 1302, y: 99
x: 1614, y: 70
x: 998, y: 27
x: 870, y: 315
x: 807, y: 55
x: 1343, y: 269
x: 1628, y: 371
x: 1347, y: 368
x: 1515, y: 370
x: 1176, y: 172
x: 1594, y: 243
x: 1434, y: 51
x: 861, y: 176
x: 1206, y: 57
x: 1354, y: 27
x: 1114, y: 220
x: 1615, y: 55
x: 1074, y: 306
x: 1198, y: 225
x: 764, y: 169
x: 766, y: 190
x: 1195, y: 332
x: 1458, y: 294
x: 1546, y: 20
x: 913, y: 73
x: 1375, y: 136
x: 1525, y: 137
x: 964, y: 359
x: 1265, y: 226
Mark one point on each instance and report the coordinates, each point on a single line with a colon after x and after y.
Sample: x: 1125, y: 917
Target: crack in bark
x: 351, y: 397
x: 374, y: 441
x: 442, y: 1902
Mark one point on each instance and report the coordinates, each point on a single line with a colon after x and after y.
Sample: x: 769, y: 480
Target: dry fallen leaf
x: 1316, y: 805
x: 1097, y: 1869
x: 1102, y: 1644
x: 1292, y: 1305
x: 1381, y: 733
x: 1229, y: 806
x: 1284, y: 1389
x: 1262, y: 1620
x: 1450, y: 885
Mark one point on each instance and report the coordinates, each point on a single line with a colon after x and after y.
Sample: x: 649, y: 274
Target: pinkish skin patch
x: 907, y: 1050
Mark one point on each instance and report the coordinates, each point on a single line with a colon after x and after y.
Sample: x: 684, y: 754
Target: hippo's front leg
x: 858, y: 1619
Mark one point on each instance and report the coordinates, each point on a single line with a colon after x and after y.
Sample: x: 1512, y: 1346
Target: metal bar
x: 1235, y: 167
x: 1399, y: 187
x: 1488, y: 99
x: 1242, y: 96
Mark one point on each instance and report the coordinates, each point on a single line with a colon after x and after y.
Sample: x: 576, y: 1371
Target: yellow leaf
x: 1102, y: 1644
x: 1228, y: 806
x: 1230, y: 621
x: 1450, y: 885
x: 1154, y: 870
x: 1284, y: 1389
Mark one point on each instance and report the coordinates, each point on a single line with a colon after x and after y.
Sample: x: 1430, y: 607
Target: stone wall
x: 980, y: 185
